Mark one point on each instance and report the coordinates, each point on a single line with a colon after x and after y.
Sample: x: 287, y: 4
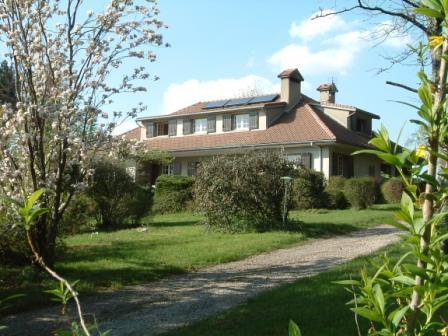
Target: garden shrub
x: 117, y: 198
x: 392, y: 190
x: 242, y: 192
x: 335, y: 193
x: 80, y: 212
x: 308, y: 189
x: 173, y: 193
x: 13, y: 246
x: 360, y: 192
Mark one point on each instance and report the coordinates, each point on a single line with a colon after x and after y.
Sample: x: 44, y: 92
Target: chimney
x: 290, y: 86
x: 327, y: 93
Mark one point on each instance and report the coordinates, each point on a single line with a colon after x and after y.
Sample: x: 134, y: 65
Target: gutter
x: 290, y: 144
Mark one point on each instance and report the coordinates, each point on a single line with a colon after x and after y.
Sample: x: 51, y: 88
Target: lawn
x: 172, y: 244
x: 316, y: 304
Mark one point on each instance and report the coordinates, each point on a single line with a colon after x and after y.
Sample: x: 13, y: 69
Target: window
x: 361, y: 125
x: 162, y: 128
x: 304, y: 159
x: 340, y: 165
x: 168, y: 169
x: 200, y: 125
x: 242, y: 121
x: 191, y: 168
x: 372, y: 171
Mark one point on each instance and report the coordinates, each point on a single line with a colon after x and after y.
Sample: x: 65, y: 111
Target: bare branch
x: 403, y: 86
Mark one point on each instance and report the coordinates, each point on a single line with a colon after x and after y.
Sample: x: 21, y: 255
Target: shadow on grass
x: 173, y: 223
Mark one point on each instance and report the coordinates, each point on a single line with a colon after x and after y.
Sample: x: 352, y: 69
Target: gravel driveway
x: 182, y: 299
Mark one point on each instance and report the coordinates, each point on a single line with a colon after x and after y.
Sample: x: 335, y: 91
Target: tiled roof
x: 133, y: 134
x: 303, y: 124
x: 198, y: 107
x: 291, y: 73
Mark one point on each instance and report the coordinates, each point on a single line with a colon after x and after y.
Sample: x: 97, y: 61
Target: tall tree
x: 68, y: 62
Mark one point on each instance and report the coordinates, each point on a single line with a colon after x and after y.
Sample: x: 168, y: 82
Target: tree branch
x: 403, y: 86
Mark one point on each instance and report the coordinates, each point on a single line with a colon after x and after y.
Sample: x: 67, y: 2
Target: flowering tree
x: 66, y: 61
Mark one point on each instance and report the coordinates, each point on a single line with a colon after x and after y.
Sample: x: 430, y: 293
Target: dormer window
x: 200, y: 125
x: 162, y: 128
x: 242, y: 122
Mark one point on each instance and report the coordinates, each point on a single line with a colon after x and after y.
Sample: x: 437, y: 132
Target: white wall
x: 316, y: 152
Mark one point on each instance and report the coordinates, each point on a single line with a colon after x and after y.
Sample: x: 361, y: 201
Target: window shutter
x: 226, y: 122
x: 253, y: 120
x: 151, y: 130
x: 172, y: 128
x: 211, y: 124
x: 353, y: 123
x: 307, y: 161
x: 192, y: 125
x: 177, y: 168
x: 233, y: 126
x: 187, y: 126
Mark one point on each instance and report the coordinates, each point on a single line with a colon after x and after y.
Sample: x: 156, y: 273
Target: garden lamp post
x: 287, y: 182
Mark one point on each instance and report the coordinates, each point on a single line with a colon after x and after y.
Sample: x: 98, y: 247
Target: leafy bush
x: 308, y: 189
x: 79, y: 214
x: 392, y: 190
x: 117, y: 198
x: 360, y: 192
x: 242, y: 192
x: 173, y: 193
x: 335, y: 194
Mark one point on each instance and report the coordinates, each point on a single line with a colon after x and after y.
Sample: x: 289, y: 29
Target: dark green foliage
x: 392, y: 190
x: 78, y: 215
x: 117, y: 198
x: 360, y: 192
x: 308, y: 189
x: 13, y: 246
x: 173, y: 193
x: 242, y: 192
x: 335, y: 193
x: 7, y: 85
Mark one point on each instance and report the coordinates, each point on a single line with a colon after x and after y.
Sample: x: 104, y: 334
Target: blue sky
x: 220, y: 48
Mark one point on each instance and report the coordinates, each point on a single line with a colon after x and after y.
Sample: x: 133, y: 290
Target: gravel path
x: 179, y: 300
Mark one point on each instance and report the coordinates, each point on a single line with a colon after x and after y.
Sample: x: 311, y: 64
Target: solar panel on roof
x: 238, y: 101
x: 214, y: 104
x: 263, y: 99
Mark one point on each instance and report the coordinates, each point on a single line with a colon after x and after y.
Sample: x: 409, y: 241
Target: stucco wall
x: 362, y: 164
x: 341, y: 116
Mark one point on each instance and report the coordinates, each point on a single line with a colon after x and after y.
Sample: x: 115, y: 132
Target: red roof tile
x: 133, y: 134
x: 303, y: 124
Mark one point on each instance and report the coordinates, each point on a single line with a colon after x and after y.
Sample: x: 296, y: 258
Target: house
x: 321, y: 134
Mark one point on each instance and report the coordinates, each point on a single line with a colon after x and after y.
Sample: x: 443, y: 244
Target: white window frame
x: 168, y: 169
x: 242, y: 122
x: 200, y: 126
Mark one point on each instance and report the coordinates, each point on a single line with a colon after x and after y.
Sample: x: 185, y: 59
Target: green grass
x: 316, y: 304
x: 172, y: 244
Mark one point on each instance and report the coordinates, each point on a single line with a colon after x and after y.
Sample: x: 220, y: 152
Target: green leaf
x: 407, y: 205
x: 379, y: 297
x: 34, y: 197
x: 432, y: 4
x: 429, y: 12
x: 367, y: 313
x: 294, y: 329
x: 398, y: 315
x: 404, y: 280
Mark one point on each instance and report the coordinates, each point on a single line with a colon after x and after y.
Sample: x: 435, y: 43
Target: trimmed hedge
x: 242, y: 192
x: 360, y: 192
x: 392, y: 190
x: 308, y: 189
x: 335, y: 193
x: 173, y: 193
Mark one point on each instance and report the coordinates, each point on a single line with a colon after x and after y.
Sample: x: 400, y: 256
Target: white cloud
x: 192, y: 91
x: 337, y: 48
x: 313, y: 27
x: 125, y: 126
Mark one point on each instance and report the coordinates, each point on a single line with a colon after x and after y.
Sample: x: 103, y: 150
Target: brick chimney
x: 327, y: 92
x: 290, y: 86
